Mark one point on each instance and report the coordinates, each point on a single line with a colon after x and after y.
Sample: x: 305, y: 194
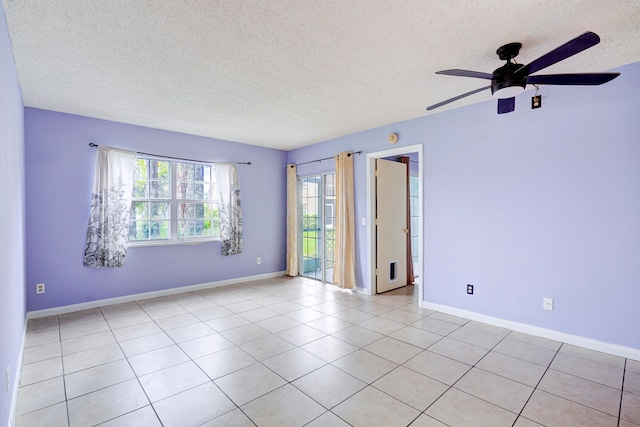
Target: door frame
x: 371, y: 211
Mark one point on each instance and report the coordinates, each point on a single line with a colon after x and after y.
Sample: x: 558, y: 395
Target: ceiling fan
x: 512, y: 78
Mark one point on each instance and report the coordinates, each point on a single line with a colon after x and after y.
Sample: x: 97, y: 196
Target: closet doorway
x: 317, y: 225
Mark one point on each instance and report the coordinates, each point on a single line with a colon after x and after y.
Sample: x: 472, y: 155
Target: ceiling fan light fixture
x: 508, y: 92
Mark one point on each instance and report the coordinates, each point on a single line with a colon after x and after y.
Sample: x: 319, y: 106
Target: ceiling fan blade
x: 466, y: 73
x: 572, y: 79
x: 440, y: 104
x: 577, y: 45
x: 506, y: 105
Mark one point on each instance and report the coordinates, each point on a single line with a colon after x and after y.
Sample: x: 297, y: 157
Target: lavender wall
x: 12, y: 225
x: 59, y: 168
x: 532, y: 204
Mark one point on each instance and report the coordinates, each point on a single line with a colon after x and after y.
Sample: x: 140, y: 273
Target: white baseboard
x: 16, y: 379
x: 615, y: 349
x: 154, y: 294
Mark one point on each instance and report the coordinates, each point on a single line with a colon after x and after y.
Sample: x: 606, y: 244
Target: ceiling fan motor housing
x: 503, y: 79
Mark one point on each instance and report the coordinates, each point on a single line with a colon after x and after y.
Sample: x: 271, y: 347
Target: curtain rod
x: 326, y: 158
x: 91, y: 144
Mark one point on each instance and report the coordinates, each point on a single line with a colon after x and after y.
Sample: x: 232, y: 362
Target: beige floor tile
x: 402, y: 316
x: 353, y: 316
x: 286, y: 307
x: 178, y: 321
x: 190, y: 332
x: 519, y: 370
x: 525, y: 351
x: 293, y: 364
x: 241, y: 306
x: 382, y: 326
x: 266, y: 347
x: 40, y: 371
x: 416, y: 390
x: 394, y: 350
x: 632, y: 382
x: 328, y: 419
x: 358, y: 336
x: 249, y: 383
x: 438, y: 367
x: 145, y: 416
x: 87, y: 342
x: 93, y: 357
x: 305, y: 315
x: 40, y: 395
x: 258, y: 314
x: 458, y: 350
x: 633, y: 365
x: 43, y: 324
x: 213, y: 313
x: 124, y: 321
x: 55, y: 415
x: 426, y: 421
x: 205, y: 345
x: 588, y: 369
x: 143, y: 344
x: 456, y: 408
x: 227, y: 322
x: 80, y: 317
x: 630, y: 410
x: 579, y: 390
x: 436, y: 326
x: 416, y: 336
x: 106, y: 404
x: 476, y: 337
x: 500, y: 391
x: 98, y: 377
x: 524, y: 422
x: 449, y: 318
x: 538, y: 341
x: 300, y: 335
x: 136, y: 331
x: 166, y: 382
x: 41, y: 352
x: 121, y: 310
x: 593, y: 355
x: 278, y: 323
x: 224, y: 362
x: 243, y: 334
x: 285, y: 407
x: 372, y: 408
x: 193, y: 407
x: 155, y: 360
x: 365, y: 366
x: 83, y: 329
x: 169, y: 311
x: 42, y: 337
x: 235, y: 418
x: 329, y: 348
x: 329, y: 385
x: 329, y: 324
x: 554, y: 411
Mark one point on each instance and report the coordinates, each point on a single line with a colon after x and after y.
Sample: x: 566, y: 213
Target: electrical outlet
x: 470, y: 289
x: 547, y: 303
x: 8, y: 378
x: 259, y: 260
x: 40, y: 288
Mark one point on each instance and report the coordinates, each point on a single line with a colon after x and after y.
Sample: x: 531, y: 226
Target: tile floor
x: 296, y: 352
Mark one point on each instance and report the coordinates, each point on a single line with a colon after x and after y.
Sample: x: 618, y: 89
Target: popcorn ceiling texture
x: 289, y: 73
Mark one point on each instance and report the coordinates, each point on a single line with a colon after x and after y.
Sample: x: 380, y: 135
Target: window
x: 172, y: 202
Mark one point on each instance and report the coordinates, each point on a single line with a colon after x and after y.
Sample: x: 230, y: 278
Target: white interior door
x: 391, y: 225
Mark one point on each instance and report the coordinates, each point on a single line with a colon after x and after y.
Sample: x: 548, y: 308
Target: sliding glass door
x: 318, y: 200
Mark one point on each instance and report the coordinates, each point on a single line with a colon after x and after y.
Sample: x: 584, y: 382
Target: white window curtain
x: 345, y: 255
x: 229, y: 208
x: 292, y: 221
x: 108, y: 230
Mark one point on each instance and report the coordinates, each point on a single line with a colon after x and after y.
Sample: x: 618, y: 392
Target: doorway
x: 317, y: 228
x: 417, y: 214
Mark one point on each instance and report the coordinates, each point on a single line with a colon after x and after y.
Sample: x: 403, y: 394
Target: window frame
x: 173, y: 207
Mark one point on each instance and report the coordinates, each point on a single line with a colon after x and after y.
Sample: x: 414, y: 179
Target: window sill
x: 191, y: 242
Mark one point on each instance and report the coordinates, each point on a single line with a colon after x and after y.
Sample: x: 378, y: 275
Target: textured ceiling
x: 289, y: 73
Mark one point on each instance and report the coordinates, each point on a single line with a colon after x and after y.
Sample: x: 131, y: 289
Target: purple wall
x: 526, y: 205
x: 12, y: 222
x: 59, y: 174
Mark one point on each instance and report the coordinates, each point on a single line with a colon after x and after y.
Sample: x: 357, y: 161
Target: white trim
x: 371, y: 209
x: 154, y: 294
x: 17, y: 377
x: 615, y: 349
